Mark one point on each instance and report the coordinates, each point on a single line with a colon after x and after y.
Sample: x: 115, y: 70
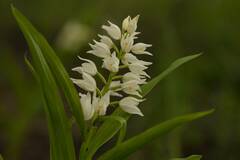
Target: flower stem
x: 100, y: 76
x: 117, y: 77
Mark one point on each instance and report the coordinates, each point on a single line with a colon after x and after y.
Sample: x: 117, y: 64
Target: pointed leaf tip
x: 173, y: 66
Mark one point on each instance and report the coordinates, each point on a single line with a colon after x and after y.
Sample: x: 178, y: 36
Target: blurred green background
x: 176, y: 28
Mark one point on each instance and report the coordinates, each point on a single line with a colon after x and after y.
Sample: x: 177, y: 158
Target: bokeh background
x: 176, y: 28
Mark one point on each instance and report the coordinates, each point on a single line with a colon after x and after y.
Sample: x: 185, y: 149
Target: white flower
x: 87, y: 67
x: 114, y: 87
x: 130, y: 58
x: 101, y: 104
x: 100, y: 49
x: 106, y: 40
x: 138, y: 69
x: 131, y: 76
x: 127, y: 43
x: 129, y: 105
x: 88, y: 83
x: 130, y: 25
x: 113, y: 30
x: 111, y: 63
x: 139, y: 48
x: 87, y: 107
x: 131, y: 87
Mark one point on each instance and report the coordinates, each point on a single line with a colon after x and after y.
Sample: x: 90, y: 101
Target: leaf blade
x: 60, y: 73
x: 60, y: 134
x: 124, y: 149
x: 173, y: 66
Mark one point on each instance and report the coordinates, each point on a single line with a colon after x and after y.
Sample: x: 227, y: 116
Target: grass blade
x: 126, y: 148
x: 59, y: 72
x: 151, y: 84
x: 61, y: 142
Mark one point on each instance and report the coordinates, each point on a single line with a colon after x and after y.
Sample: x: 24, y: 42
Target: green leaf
x: 58, y: 70
x: 151, y: 84
x: 107, y: 131
x: 193, y: 157
x: 61, y: 142
x: 128, y: 147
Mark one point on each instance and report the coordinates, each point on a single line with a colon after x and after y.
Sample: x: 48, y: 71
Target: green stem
x: 117, y: 77
x: 100, y: 76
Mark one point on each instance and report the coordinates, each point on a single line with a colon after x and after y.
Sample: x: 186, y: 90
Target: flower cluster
x: 118, y: 52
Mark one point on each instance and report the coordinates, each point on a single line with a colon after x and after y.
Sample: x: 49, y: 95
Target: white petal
x: 113, y: 30
x: 111, y: 63
x: 132, y: 110
x: 87, y: 107
x: 127, y: 43
x: 106, y: 40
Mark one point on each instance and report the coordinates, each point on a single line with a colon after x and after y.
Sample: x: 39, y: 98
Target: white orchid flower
x: 114, y: 87
x: 131, y: 87
x: 106, y: 40
x: 129, y: 105
x: 130, y: 58
x: 130, y: 25
x: 113, y: 30
x: 101, y: 104
x: 111, y: 63
x: 100, y: 49
x: 138, y: 69
x: 127, y: 43
x: 87, y: 67
x: 131, y: 76
x: 87, y: 107
x: 88, y: 83
x: 140, y: 48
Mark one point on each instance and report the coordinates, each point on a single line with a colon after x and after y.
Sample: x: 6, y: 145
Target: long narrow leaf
x: 59, y: 72
x: 61, y: 142
x: 133, y: 144
x: 151, y: 84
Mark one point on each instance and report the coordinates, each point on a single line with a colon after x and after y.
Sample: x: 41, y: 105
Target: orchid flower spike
x: 126, y: 72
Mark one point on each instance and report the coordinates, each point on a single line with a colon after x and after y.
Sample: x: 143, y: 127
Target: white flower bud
x: 131, y: 87
x: 101, y: 105
x: 113, y: 30
x: 130, y: 58
x: 129, y: 105
x: 88, y: 83
x: 87, y: 67
x: 87, y: 107
x: 127, y: 43
x: 111, y: 63
x: 106, y: 40
x: 139, y: 48
x: 131, y: 76
x: 138, y: 69
x: 125, y: 23
x: 100, y: 49
x: 130, y: 25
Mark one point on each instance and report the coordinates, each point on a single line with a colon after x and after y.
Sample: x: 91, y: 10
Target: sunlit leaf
x: 131, y: 145
x: 61, y: 142
x: 151, y: 84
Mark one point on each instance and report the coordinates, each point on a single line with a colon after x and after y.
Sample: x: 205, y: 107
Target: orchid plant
x: 123, y: 89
